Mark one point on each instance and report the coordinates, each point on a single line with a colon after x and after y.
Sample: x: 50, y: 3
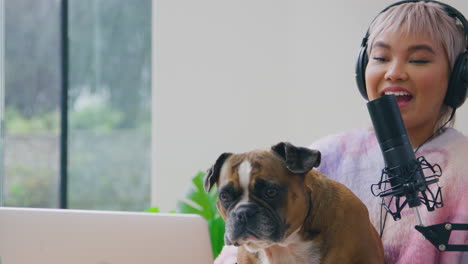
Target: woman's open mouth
x: 403, y: 98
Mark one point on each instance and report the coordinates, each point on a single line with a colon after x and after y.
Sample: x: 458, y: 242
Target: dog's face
x: 261, y: 194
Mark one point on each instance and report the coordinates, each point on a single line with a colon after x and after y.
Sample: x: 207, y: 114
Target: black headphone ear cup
x: 458, y: 83
x: 361, y: 65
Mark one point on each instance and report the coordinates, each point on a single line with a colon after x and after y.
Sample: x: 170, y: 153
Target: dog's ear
x: 298, y: 159
x: 212, y: 175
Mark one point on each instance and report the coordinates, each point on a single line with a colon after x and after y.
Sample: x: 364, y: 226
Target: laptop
x: 56, y: 236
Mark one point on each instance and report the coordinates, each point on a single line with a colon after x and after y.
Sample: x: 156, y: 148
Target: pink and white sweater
x: 354, y: 158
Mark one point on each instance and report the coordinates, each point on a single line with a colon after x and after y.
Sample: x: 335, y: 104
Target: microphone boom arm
x: 439, y: 235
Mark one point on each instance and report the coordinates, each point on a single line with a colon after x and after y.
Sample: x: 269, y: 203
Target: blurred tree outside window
x: 109, y: 104
x: 32, y: 103
x: 2, y: 95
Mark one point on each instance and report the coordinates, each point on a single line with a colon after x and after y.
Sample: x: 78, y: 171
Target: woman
x: 411, y: 51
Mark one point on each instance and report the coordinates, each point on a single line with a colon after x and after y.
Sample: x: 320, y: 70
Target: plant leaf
x: 152, y: 210
x: 216, y: 227
x: 199, y: 202
x: 185, y: 208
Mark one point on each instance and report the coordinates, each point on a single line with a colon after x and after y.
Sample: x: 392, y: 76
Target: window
x: 2, y: 95
x: 32, y: 103
x: 108, y: 81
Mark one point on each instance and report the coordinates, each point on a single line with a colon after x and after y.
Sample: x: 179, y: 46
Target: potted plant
x: 197, y: 201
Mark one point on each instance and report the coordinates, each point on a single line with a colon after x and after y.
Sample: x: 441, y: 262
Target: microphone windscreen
x: 391, y: 132
x: 387, y: 121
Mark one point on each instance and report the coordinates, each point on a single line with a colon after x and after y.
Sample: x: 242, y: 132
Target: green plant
x: 197, y: 201
x: 23, y: 190
x: 101, y: 118
x: 18, y: 124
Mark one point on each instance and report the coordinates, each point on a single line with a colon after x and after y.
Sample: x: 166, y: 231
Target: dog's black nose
x: 245, y: 212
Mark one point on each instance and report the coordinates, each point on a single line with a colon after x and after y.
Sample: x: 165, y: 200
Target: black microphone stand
x: 404, y: 173
x: 439, y: 234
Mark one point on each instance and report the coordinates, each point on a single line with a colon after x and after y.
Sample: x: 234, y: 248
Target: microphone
x: 406, y: 174
x: 403, y: 171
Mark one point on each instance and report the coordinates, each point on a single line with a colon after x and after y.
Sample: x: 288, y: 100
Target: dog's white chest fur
x: 304, y: 253
x: 293, y: 250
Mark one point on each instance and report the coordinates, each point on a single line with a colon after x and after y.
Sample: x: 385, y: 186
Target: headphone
x: 458, y: 82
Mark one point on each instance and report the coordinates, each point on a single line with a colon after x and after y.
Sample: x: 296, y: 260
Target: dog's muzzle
x: 251, y: 222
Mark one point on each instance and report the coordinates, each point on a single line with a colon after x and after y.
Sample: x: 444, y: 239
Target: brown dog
x: 278, y: 210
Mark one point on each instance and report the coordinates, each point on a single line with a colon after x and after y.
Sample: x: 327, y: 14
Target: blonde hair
x: 424, y: 19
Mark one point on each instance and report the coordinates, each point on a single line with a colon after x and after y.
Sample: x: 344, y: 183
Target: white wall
x: 232, y: 76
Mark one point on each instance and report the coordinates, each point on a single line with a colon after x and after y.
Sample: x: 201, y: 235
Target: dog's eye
x: 271, y: 193
x: 225, y: 197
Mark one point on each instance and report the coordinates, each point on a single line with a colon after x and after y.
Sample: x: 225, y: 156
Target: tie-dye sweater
x: 355, y: 159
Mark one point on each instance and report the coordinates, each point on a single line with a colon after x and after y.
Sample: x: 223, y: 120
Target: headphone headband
x: 451, y: 12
